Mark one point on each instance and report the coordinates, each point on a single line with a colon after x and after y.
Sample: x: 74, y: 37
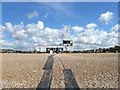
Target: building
x: 67, y: 45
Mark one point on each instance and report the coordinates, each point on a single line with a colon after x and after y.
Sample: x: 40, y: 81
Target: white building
x: 67, y: 45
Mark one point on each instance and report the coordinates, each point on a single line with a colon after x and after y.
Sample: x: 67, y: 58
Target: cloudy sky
x: 91, y: 25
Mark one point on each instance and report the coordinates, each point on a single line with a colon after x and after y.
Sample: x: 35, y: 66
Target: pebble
x: 35, y: 71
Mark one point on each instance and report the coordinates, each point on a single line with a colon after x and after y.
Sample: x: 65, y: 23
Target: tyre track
x: 47, y: 76
x: 69, y: 78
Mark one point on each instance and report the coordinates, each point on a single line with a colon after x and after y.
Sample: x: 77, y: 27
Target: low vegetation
x: 100, y: 50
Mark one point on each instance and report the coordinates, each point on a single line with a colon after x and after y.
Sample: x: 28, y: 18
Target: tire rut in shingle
x: 47, y: 76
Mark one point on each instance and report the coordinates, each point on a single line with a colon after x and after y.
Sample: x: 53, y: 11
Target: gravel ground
x: 93, y: 70
x: 22, y: 70
x: 0, y: 70
x: 89, y: 70
x: 58, y: 77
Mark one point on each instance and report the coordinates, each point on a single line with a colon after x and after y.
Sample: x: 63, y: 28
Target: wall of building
x: 67, y: 46
x: 41, y: 49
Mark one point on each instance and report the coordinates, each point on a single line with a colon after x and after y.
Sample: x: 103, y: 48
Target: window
x: 39, y: 49
x: 66, y: 41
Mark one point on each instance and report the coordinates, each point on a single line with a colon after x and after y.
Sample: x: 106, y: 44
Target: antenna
x: 67, y: 31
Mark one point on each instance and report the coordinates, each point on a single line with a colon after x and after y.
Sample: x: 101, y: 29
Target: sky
x: 91, y: 25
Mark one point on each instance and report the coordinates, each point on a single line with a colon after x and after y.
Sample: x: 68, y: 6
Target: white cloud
x: 34, y: 14
x: 6, y: 44
x: 34, y: 39
x: 106, y: 17
x: 2, y: 28
x: 96, y: 39
x: 91, y: 25
x: 9, y: 27
x: 34, y: 29
x: 19, y: 35
x: 17, y: 31
x: 40, y: 25
x: 115, y: 28
x: 77, y: 28
x: 35, y: 34
x: 62, y: 10
x: 1, y: 35
x: 39, y: 41
x: 16, y: 45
